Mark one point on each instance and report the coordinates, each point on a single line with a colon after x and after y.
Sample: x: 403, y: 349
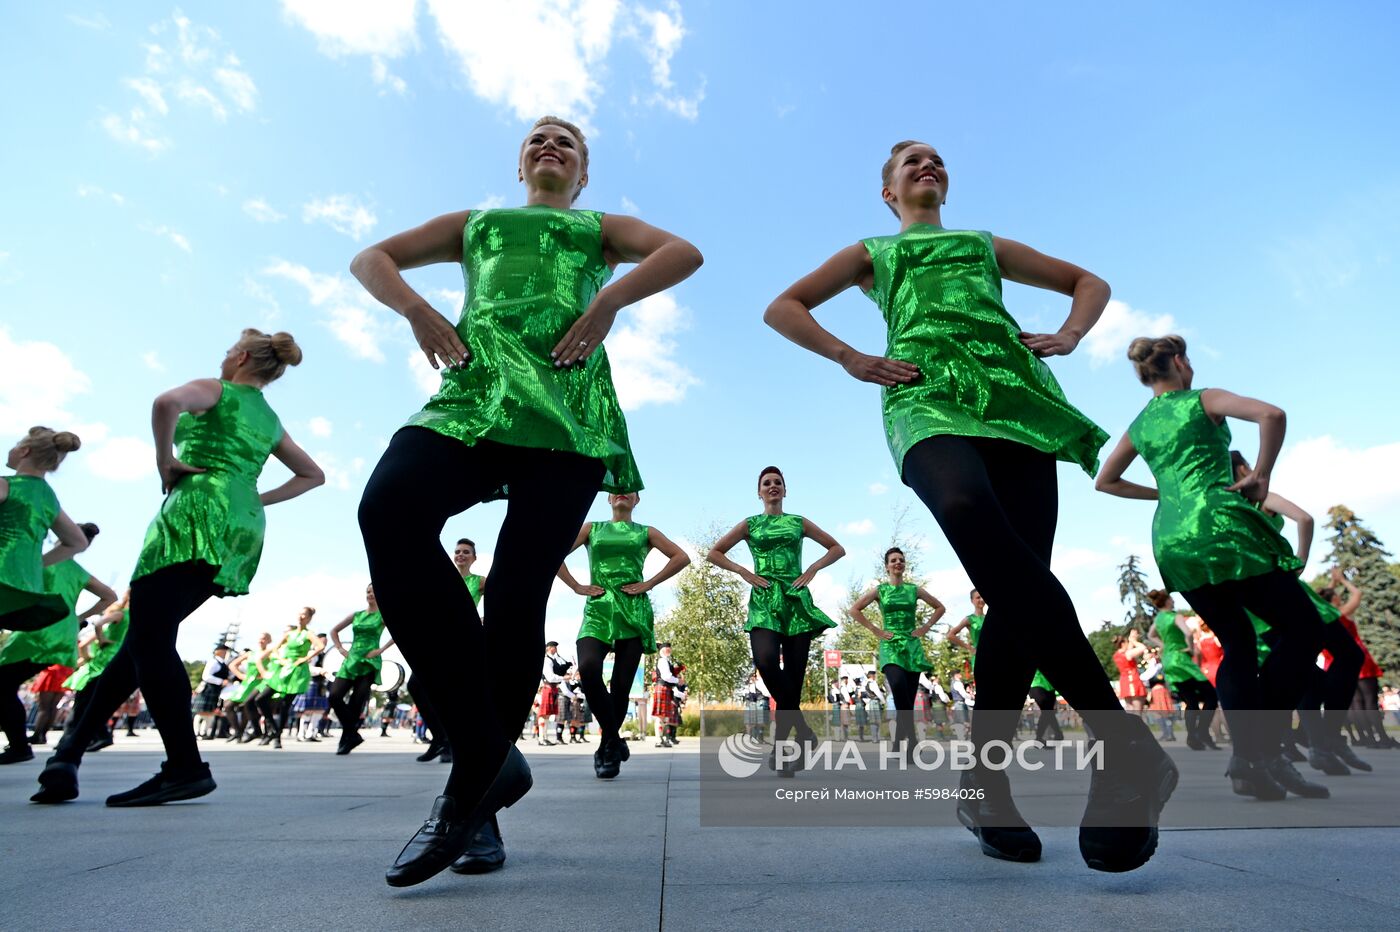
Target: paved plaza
x: 300, y: 839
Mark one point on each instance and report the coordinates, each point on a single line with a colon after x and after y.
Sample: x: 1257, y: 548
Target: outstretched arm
x: 718, y: 555
x: 677, y: 560
x: 834, y: 552
x: 306, y: 475
x: 1089, y: 294
x: 1110, y: 478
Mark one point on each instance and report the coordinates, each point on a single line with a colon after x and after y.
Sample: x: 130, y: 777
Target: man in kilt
x: 215, y: 677
x: 663, y: 696
x: 555, y: 667
x: 570, y: 708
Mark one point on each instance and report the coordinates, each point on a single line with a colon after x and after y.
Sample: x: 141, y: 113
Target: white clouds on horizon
x: 859, y: 528
x: 320, y: 426
x: 348, y: 312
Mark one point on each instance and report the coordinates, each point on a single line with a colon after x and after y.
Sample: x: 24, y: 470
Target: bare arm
x: 1088, y: 293
x: 105, y: 597
x: 718, y: 555
x: 676, y: 560
x: 1273, y: 423
x: 663, y: 260
x: 1282, y: 506
x: 567, y: 576
x: 957, y: 629
x: 1353, y: 601
x: 791, y: 315
x: 71, y: 541
x: 306, y: 475
x: 857, y: 613
x: 335, y: 634
x: 939, y: 610
x: 195, y: 397
x: 378, y: 269
x: 1110, y: 478
x: 834, y: 552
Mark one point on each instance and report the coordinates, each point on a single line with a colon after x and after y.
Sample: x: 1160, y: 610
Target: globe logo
x: 741, y: 756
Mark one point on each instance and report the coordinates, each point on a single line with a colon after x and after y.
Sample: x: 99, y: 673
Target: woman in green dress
x: 783, y: 619
x: 1221, y: 553
x: 975, y: 422
x: 205, y: 541
x: 902, y: 656
x: 29, y: 653
x: 95, y: 651
x: 28, y: 511
x: 1184, y: 676
x: 290, y: 675
x: 360, y: 670
x: 527, y: 411
x: 617, y: 617
x: 240, y: 706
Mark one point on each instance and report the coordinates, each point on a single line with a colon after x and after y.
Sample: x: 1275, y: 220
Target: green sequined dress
x: 776, y: 544
x: 251, y: 682
x: 292, y: 678
x: 530, y: 273
x: 216, y: 517
x: 26, y: 515
x: 974, y: 631
x: 1177, y: 665
x: 617, y: 551
x: 473, y: 586
x: 940, y: 293
x: 58, y: 642
x: 898, y: 611
x: 101, y: 655
x: 1325, y: 610
x: 366, y: 628
x: 1202, y: 534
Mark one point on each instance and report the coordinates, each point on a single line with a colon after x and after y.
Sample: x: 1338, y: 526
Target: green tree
x: 1361, y: 556
x: 194, y: 669
x: 1102, y: 643
x: 1132, y: 591
x: 706, y: 629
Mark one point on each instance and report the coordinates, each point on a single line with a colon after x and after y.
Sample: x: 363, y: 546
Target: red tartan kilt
x: 51, y: 679
x: 549, y: 700
x: 663, y: 702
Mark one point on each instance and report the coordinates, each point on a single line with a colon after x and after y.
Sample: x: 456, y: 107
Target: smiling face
x: 894, y: 563
x: 977, y: 603
x: 464, y: 555
x: 916, y: 177
x: 771, y: 488
x: 370, y: 600
x: 551, y: 159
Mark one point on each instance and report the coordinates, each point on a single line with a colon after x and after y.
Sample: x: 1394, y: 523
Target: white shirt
x: 663, y: 671
x: 550, y: 677
x: 209, y: 675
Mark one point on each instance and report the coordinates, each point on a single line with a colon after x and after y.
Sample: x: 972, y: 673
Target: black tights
x: 148, y: 659
x: 275, y: 709
x: 1368, y: 707
x: 12, y: 676
x: 350, y: 712
x: 997, y: 503
x: 903, y: 687
x: 608, y: 701
x: 784, y: 680
x: 423, y: 479
x: 1200, y: 700
x: 1047, y: 726
x: 1331, y: 688
x: 1259, y: 700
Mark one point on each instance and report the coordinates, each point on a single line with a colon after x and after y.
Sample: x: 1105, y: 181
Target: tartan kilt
x: 920, y: 706
x: 571, y: 709
x: 859, y: 709
x: 207, y: 700
x: 756, y: 713
x: 549, y: 700
x: 663, y: 702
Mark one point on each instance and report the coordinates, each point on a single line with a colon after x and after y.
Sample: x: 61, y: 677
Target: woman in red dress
x: 1126, y: 651
x: 1211, y: 650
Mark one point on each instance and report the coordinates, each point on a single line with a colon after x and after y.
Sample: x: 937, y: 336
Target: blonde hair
x: 269, y: 354
x: 577, y: 133
x: 887, y: 170
x: 48, y: 447
x: 1152, y: 356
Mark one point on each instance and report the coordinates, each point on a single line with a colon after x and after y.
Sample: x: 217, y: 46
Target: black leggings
x: 1047, y: 726
x: 997, y: 503
x: 608, y: 701
x: 423, y: 479
x: 903, y: 687
x: 1331, y: 688
x: 1200, y: 700
x: 12, y: 676
x: 148, y: 659
x: 275, y: 709
x: 784, y: 680
x: 1259, y: 700
x: 1368, y: 705
x: 358, y: 690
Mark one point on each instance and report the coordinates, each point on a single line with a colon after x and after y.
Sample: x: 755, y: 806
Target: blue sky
x: 171, y: 175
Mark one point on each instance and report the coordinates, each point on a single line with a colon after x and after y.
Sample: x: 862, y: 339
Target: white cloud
x: 149, y: 91
x: 343, y: 213
x: 134, y: 130
x: 660, y: 34
x: 1108, y: 341
x: 122, y: 459
x: 152, y: 360
x: 491, y: 202
x: 37, y: 382
x: 448, y: 300
x: 642, y: 352
x: 385, y: 28
x: 261, y: 211
x: 176, y: 237
x: 270, y: 309
x: 320, y: 426
x: 237, y: 85
x: 629, y: 206
x: 97, y: 22
x: 863, y: 526
x: 92, y: 190
x: 878, y: 488
x: 198, y: 94
x: 386, y: 79
x: 339, y: 475
x: 1320, y: 472
x: 349, y: 313
x: 424, y: 375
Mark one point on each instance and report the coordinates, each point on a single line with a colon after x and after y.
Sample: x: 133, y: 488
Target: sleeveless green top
x: 617, y: 552
x: 216, y: 517
x: 899, y: 614
x: 530, y: 273
x: 251, y: 682
x: 26, y: 515
x: 473, y: 586
x: 101, y: 655
x: 291, y: 678
x: 940, y: 293
x: 366, y: 628
x: 974, y: 628
x: 57, y: 643
x: 1201, y: 533
x: 776, y: 544
x: 1177, y: 665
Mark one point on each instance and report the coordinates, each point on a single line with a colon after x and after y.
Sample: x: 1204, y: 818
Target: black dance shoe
x: 16, y: 755
x: 1210, y: 742
x: 167, y: 786
x: 1326, y: 761
x: 1290, y: 751
x: 100, y: 742
x: 435, y: 748
x: 623, y: 750
x: 1348, y: 757
x: 446, y: 756
x: 58, y: 783
x: 607, y: 760
x: 447, y: 833
x: 1119, y: 829
x: 348, y: 742
x: 1288, y: 777
x: 485, y: 854
x: 995, y: 822
x: 1251, y: 778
